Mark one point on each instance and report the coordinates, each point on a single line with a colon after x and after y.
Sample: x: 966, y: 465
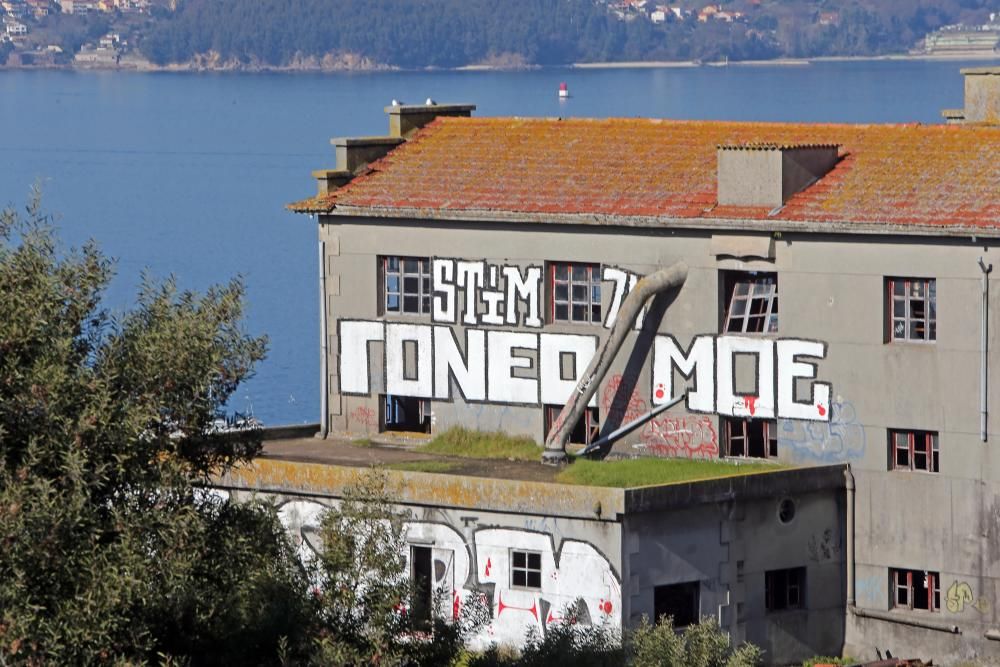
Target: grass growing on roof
x: 626, y: 473
x: 424, y: 466
x: 461, y: 441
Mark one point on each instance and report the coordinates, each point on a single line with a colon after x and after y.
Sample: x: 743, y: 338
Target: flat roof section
x: 325, y: 468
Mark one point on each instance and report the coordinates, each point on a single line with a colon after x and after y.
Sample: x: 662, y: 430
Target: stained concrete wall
x: 831, y: 289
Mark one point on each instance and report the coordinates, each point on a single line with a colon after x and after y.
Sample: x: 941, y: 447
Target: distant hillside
x: 450, y: 33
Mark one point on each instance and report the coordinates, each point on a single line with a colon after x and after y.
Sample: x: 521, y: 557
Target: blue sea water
x: 187, y: 174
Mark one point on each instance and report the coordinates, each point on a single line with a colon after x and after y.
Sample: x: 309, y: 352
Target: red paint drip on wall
x: 489, y: 564
x: 821, y: 409
x: 751, y: 404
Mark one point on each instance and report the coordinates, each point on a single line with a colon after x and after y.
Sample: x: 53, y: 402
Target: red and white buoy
x: 563, y: 91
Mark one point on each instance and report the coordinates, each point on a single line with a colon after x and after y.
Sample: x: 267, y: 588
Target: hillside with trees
x: 451, y: 33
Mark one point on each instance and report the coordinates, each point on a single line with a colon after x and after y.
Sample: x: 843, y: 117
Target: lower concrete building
x: 763, y: 553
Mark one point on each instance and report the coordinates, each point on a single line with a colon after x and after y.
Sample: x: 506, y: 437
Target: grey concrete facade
x: 832, y: 289
x: 915, y: 549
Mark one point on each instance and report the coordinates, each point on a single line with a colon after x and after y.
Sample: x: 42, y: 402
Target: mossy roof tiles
x: 894, y: 175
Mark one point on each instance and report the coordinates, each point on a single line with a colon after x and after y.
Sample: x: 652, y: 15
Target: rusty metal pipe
x: 644, y: 290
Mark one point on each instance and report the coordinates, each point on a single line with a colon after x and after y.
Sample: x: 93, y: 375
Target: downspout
x: 324, y: 378
x: 984, y: 368
x: 849, y: 485
x: 645, y: 289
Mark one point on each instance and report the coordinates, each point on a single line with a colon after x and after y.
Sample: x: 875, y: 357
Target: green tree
x: 111, y: 552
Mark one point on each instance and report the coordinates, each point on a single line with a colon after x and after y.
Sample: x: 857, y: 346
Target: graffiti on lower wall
x: 690, y: 436
x: 841, y: 439
x: 575, y: 578
x: 960, y: 597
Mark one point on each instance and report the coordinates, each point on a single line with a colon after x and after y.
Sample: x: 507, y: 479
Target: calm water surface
x: 187, y: 174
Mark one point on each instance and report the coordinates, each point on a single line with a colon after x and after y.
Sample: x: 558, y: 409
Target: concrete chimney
x: 405, y: 119
x: 982, y: 98
x: 761, y: 174
x: 356, y: 153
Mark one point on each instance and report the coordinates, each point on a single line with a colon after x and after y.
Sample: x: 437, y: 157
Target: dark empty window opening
x: 526, y: 569
x: 912, y: 304
x: 406, y: 285
x: 681, y: 602
x: 751, y: 438
x: 751, y: 302
x: 404, y: 413
x: 914, y: 450
x: 586, y: 430
x: 421, y: 577
x: 915, y: 589
x: 785, y: 589
x: 575, y: 292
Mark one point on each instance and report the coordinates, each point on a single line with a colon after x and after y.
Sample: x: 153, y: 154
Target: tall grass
x: 469, y: 443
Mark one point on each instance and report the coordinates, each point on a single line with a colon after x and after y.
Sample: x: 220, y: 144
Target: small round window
x: 786, y: 510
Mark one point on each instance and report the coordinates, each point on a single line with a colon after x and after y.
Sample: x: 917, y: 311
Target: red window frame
x: 590, y: 418
x: 770, y: 435
x: 589, y: 300
x: 911, y: 309
x: 904, y: 593
x: 907, y: 448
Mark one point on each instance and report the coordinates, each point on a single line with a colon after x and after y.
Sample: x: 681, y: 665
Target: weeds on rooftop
x: 469, y: 443
x: 625, y: 473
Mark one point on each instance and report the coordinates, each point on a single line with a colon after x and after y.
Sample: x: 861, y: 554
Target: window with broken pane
x: 912, y: 306
x: 914, y: 450
x: 751, y: 438
x: 575, y: 292
x: 784, y: 589
x: 751, y: 302
x: 915, y: 589
x: 406, y: 285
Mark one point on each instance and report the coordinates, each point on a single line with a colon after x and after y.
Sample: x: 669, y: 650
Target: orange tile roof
x: 896, y: 175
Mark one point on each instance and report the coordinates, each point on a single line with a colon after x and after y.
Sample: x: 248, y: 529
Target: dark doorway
x: 404, y: 413
x: 679, y: 601
x: 421, y: 580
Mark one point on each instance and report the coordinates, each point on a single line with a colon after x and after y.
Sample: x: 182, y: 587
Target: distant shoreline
x: 134, y: 64
x: 785, y: 62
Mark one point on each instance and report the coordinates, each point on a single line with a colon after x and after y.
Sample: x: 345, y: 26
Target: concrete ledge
x: 290, y: 431
x: 904, y: 620
x: 483, y: 493
x: 736, y: 487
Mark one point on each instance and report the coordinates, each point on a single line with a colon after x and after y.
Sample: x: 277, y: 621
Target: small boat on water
x: 563, y: 91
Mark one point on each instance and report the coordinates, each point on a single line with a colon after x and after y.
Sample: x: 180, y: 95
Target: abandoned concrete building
x: 473, y: 268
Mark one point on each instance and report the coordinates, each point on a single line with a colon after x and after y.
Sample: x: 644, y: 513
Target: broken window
x: 525, y: 569
x: 915, y: 589
x: 405, y: 413
x: 406, y: 285
x: 751, y: 302
x: 681, y: 602
x: 912, y: 304
x: 575, y: 291
x: 785, y: 589
x: 751, y: 438
x: 421, y: 596
x: 914, y: 450
x: 586, y: 430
